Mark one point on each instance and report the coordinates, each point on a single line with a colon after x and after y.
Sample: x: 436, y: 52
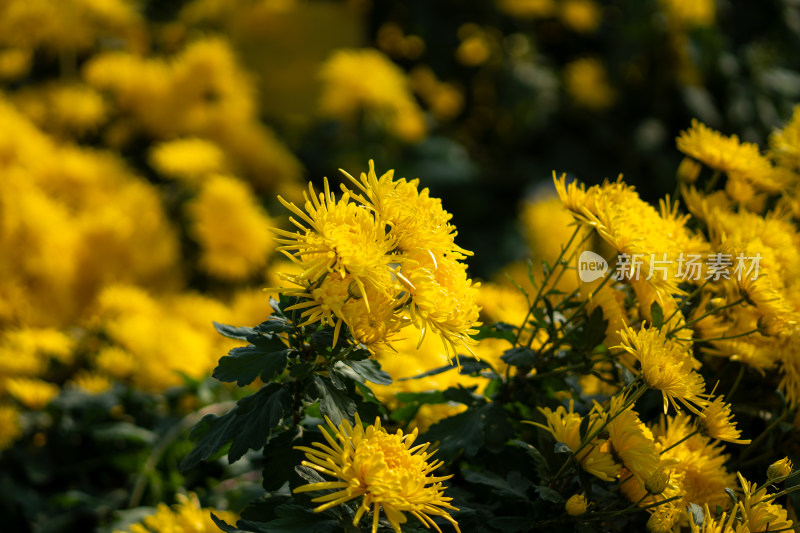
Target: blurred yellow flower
x: 34, y: 394
x: 91, y: 382
x: 186, y: 516
x: 586, y: 82
x: 366, y: 80
x: 190, y: 159
x: 381, y: 468
x: 231, y: 228
x: 582, y: 16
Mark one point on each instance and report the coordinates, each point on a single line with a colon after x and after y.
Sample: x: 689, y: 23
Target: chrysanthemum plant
x: 608, y: 405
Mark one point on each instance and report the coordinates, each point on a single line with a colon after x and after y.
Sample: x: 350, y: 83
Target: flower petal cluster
x: 385, y: 470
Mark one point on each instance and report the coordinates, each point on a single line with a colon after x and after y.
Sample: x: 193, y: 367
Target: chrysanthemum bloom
x: 186, y: 516
x: 696, y: 465
x: 758, y: 509
x: 716, y: 422
x: 595, y: 457
x: 34, y: 394
x: 666, y: 366
x: 784, y: 144
x: 663, y: 519
x: 779, y: 469
x: 712, y: 524
x: 576, y: 505
x: 336, y: 237
x: 727, y: 154
x: 382, y: 468
x: 658, y: 239
x: 631, y: 442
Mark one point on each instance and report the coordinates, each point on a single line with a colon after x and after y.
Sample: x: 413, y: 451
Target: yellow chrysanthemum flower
x: 231, y: 227
x: 189, y: 159
x: 630, y: 441
x: 759, y: 511
x: 34, y: 394
x: 666, y: 366
x: 696, y: 464
x: 381, y: 468
x: 92, y: 382
x: 664, y: 519
x: 595, y: 458
x: 355, y: 80
x: 186, y: 516
x: 416, y: 221
x: 728, y: 154
x: 784, y: 143
x: 340, y: 238
x: 716, y: 422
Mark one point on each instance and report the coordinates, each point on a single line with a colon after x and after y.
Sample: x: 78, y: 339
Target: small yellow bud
x: 576, y: 505
x: 779, y: 469
x: 354, y: 291
x: 688, y: 170
x: 656, y: 483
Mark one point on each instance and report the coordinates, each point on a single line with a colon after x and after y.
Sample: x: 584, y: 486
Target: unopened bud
x: 354, y: 291
x: 779, y: 469
x: 656, y: 483
x: 576, y: 505
x: 688, y: 170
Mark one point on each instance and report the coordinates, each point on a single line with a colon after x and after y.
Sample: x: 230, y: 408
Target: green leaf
x: 332, y: 402
x: 341, y: 375
x: 520, y: 356
x: 514, y: 486
x: 266, y: 356
x: 274, y: 324
x: 370, y: 370
x: 497, y: 430
x: 658, y: 319
x: 280, y: 458
x: 541, y: 463
x: 299, y: 519
x: 232, y: 332
x: 124, y: 431
x: 463, y: 431
x: 259, y: 413
x: 499, y: 330
x: 548, y: 494
x: 595, y: 330
x: 246, y: 426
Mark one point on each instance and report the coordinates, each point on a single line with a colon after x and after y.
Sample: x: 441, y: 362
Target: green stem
x: 544, y: 282
x: 693, y: 321
x: 684, y: 439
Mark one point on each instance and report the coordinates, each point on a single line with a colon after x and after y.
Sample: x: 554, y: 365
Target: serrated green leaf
x: 233, y: 332
x: 595, y: 330
x: 500, y: 486
x: 541, y: 463
x: 258, y: 414
x: 333, y: 403
x: 463, y: 431
x: 246, y: 426
x: 342, y: 375
x: 298, y: 519
x: 370, y: 370
x: 265, y: 357
x: 520, y: 356
x: 123, y: 431
x: 499, y: 330
x: 280, y: 458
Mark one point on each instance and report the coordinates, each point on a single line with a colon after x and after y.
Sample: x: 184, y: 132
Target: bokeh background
x: 143, y: 145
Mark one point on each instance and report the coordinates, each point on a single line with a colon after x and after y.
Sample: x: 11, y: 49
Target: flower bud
x: 779, y: 469
x: 656, y: 483
x: 576, y: 505
x: 354, y: 291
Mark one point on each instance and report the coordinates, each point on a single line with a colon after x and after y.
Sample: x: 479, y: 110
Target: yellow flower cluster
x: 367, y: 81
x: 379, y: 258
x: 186, y: 516
x: 381, y: 468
